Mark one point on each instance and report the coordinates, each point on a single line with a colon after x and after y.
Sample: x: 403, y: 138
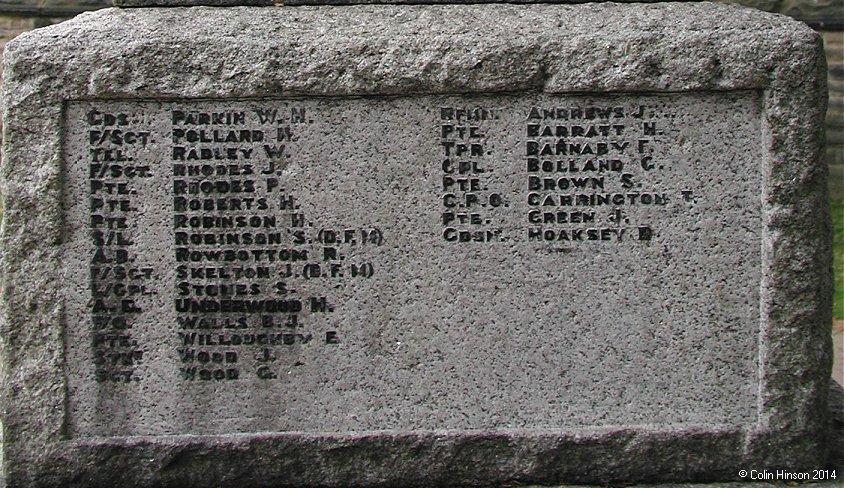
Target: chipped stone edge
x: 233, y: 3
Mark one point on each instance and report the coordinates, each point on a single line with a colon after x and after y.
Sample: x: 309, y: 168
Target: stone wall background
x: 17, y: 16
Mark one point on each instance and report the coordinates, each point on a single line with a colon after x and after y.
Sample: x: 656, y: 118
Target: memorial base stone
x: 414, y: 246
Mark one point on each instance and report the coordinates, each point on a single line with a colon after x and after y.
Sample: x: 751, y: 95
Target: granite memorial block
x: 414, y: 245
x: 223, y: 3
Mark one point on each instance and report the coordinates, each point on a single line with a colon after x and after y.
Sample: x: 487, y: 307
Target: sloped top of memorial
x: 192, y: 3
x: 698, y: 45
x: 229, y: 3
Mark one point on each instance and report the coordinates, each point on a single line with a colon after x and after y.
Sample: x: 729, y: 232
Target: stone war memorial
x: 414, y: 245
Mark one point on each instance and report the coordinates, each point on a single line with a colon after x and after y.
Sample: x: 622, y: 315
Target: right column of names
x: 586, y: 167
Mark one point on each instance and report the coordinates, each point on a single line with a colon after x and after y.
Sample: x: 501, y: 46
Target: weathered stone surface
x: 188, y: 3
x: 700, y: 352
x: 434, y: 2
x: 220, y: 3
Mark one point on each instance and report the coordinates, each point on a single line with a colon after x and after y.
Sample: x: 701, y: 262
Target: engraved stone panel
x: 412, y: 263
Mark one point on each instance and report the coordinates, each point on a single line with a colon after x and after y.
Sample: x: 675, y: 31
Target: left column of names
x: 118, y: 275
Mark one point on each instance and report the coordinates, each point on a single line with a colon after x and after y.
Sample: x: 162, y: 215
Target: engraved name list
x: 230, y: 261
